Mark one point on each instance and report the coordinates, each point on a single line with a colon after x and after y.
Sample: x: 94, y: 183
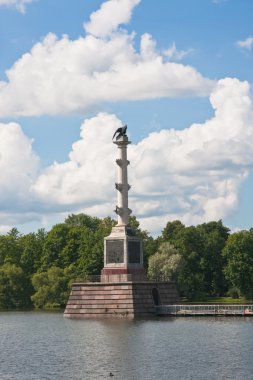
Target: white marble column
x: 123, y: 253
x: 122, y: 185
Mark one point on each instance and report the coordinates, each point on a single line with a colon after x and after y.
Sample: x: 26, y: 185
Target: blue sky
x: 178, y: 72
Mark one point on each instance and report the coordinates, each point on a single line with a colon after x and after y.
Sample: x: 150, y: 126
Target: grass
x: 218, y: 301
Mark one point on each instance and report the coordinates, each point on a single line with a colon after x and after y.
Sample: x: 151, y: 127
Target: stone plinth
x: 121, y: 300
x: 123, y: 255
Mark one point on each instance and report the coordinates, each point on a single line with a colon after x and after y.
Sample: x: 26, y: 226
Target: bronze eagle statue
x: 120, y: 132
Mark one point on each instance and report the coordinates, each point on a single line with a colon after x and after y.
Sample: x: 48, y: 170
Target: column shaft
x: 122, y: 180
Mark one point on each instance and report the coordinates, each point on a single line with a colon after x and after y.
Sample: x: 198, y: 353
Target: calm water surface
x: 48, y: 346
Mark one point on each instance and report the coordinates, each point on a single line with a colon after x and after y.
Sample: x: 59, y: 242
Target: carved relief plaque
x: 114, y: 251
x: 134, y: 252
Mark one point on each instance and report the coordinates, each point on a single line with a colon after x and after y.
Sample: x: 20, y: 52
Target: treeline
x: 37, y: 269
x: 206, y: 260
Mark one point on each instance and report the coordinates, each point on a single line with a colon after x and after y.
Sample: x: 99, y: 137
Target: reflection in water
x: 48, y: 346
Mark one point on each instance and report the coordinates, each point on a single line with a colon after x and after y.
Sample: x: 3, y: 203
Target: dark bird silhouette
x: 120, y: 131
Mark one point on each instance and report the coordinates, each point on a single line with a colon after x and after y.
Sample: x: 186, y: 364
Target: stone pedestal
x: 123, y: 256
x: 119, y: 300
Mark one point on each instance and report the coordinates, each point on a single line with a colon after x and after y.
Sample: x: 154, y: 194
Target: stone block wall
x: 126, y: 300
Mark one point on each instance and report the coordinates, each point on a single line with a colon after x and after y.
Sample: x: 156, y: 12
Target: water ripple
x: 46, y: 346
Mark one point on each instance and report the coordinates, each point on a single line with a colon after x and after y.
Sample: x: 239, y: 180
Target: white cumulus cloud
x: 111, y: 14
x: 194, y: 174
x: 62, y: 75
x: 18, y: 169
x: 88, y: 176
x: 247, y: 43
x: 174, y: 54
x: 20, y: 5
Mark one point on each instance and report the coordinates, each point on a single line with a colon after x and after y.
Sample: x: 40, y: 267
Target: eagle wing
x: 117, y: 131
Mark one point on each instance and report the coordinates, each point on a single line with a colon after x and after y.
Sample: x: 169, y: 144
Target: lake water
x: 42, y: 346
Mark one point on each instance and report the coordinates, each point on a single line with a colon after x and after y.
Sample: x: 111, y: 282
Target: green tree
x: 190, y: 245
x: 165, y: 263
x: 69, y: 252
x: 12, y: 287
x: 172, y: 231
x: 91, y: 251
x: 32, y: 246
x: 239, y: 268
x: 10, y: 250
x: 55, y: 242
x: 83, y: 220
x: 214, y: 236
x: 51, y: 288
x: 85, y: 246
x: 134, y: 224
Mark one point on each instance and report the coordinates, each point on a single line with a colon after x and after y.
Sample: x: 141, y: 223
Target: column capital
x: 122, y: 141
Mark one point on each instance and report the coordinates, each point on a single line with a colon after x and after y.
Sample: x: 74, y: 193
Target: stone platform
x: 119, y: 299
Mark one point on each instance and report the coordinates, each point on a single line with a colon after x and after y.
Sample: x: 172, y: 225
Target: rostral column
x: 123, y: 252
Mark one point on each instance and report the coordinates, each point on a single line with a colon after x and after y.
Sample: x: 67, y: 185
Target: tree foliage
x: 214, y: 236
x: 36, y: 269
x: 201, y: 247
x: 165, y: 263
x: 51, y: 288
x: 239, y: 268
x: 172, y: 231
x: 12, y: 287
